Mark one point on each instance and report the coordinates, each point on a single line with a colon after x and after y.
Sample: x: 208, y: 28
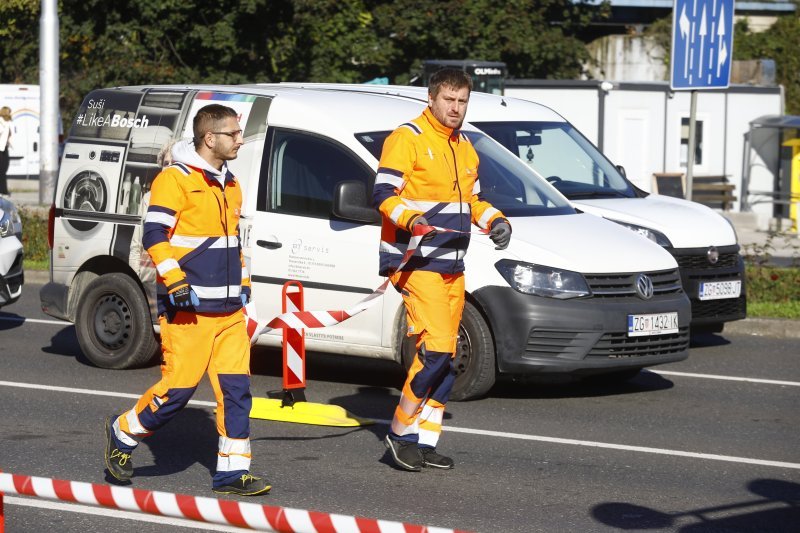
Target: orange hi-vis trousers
x: 434, y: 304
x: 193, y: 344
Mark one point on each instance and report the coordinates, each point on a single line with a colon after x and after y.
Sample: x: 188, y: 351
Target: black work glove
x: 184, y: 297
x: 500, y: 234
x: 420, y: 220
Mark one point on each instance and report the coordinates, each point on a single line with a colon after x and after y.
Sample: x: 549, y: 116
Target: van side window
x: 304, y: 170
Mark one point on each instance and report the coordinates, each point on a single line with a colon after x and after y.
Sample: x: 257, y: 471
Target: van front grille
x: 699, y: 261
x: 624, y: 285
x: 619, y: 345
x: 727, y: 308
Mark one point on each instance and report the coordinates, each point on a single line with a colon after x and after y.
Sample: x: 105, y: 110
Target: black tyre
x: 475, y: 356
x: 113, y: 323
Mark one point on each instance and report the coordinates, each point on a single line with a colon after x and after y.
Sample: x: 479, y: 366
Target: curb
x: 781, y: 328
x: 38, y: 277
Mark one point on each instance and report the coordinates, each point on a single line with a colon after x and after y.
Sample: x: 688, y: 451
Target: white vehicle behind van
x: 702, y: 241
x: 572, y: 294
x: 12, y: 276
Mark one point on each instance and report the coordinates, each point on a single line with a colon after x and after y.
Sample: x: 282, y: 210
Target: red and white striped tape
x: 226, y: 512
x: 321, y: 319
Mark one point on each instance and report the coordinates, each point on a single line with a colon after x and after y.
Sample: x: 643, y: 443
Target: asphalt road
x: 708, y: 444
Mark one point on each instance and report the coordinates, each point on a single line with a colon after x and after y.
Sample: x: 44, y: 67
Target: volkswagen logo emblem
x: 713, y: 255
x: 644, y: 287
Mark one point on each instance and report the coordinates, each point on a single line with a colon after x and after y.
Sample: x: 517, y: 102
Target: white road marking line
x: 89, y: 391
x: 114, y: 513
x: 473, y: 431
x: 726, y: 378
x: 34, y: 320
x: 645, y: 449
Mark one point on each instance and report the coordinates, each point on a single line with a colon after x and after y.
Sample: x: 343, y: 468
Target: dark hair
x: 207, y: 119
x: 448, y: 77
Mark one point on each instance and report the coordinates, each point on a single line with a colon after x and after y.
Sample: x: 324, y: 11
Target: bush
x: 772, y: 291
x: 773, y: 284
x: 34, y: 237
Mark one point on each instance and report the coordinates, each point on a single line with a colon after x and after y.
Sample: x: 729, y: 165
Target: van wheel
x: 475, y: 356
x: 113, y: 323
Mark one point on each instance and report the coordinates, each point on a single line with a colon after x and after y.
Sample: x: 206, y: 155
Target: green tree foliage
x: 535, y: 38
x: 235, y: 41
x: 780, y: 42
x: 19, y: 52
x: 327, y: 41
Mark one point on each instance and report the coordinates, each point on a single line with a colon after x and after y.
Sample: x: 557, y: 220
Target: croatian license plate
x: 718, y: 290
x: 657, y: 324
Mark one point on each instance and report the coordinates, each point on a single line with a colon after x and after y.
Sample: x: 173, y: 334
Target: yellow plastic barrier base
x: 318, y: 414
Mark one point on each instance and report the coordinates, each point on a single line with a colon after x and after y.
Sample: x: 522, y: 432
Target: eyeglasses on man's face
x: 232, y: 134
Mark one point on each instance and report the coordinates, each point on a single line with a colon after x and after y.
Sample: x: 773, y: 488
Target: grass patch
x: 773, y: 291
x: 773, y: 310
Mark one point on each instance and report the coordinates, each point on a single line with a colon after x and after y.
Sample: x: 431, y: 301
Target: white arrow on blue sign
x: 702, y: 44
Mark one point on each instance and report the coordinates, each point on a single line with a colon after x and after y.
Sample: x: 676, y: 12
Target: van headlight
x: 542, y: 280
x: 655, y: 236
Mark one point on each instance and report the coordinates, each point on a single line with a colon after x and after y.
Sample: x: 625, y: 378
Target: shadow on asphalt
x: 552, y: 388
x: 189, y: 438
x: 707, y: 340
x: 776, y: 508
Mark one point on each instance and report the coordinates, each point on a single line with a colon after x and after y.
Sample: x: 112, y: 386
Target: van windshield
x: 505, y: 181
x: 561, y: 154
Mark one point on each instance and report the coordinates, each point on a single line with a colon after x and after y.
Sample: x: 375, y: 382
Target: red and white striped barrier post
x: 2, y: 516
x: 210, y: 510
x: 294, y: 347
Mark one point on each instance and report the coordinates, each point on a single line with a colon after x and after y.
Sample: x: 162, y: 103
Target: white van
x: 572, y: 294
x: 703, y: 242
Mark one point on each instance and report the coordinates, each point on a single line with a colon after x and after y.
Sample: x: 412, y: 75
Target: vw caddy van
x: 702, y: 241
x: 572, y: 294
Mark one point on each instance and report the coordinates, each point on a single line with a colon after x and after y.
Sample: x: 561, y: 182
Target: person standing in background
x: 5, y: 146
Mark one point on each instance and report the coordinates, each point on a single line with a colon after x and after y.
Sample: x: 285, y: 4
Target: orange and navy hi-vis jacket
x: 191, y: 231
x: 429, y: 169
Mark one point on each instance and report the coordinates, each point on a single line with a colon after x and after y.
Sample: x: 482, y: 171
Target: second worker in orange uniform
x: 428, y: 175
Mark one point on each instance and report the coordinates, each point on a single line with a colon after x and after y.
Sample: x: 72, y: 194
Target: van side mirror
x: 350, y: 202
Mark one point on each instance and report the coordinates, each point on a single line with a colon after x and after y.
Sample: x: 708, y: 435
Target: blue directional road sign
x: 702, y: 44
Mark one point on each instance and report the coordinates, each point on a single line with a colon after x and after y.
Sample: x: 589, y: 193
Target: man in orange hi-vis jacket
x: 191, y: 232
x: 428, y: 175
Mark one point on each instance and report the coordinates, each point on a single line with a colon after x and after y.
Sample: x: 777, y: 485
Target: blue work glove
x: 184, y: 297
x: 244, y: 299
x: 500, y: 234
x: 420, y: 220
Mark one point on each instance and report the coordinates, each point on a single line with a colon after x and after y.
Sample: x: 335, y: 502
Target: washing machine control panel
x: 110, y: 156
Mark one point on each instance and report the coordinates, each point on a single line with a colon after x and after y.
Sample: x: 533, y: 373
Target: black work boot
x: 118, y: 462
x: 406, y: 455
x: 246, y: 485
x: 435, y: 460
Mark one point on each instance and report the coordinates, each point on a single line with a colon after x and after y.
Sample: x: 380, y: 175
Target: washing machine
x: 86, y: 198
